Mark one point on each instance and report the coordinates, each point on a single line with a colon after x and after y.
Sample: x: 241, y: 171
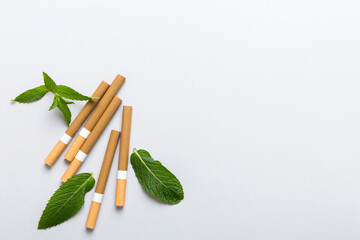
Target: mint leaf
x: 49, y: 83
x: 156, y: 179
x: 67, y: 200
x: 31, y: 95
x: 54, y: 104
x: 61, y: 104
x: 69, y: 93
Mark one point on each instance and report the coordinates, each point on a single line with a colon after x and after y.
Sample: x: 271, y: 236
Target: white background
x: 254, y: 105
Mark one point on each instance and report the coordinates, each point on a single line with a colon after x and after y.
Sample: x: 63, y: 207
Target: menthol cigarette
x: 94, y: 118
x: 76, y: 124
x: 91, y: 140
x: 102, y: 180
x: 123, y: 156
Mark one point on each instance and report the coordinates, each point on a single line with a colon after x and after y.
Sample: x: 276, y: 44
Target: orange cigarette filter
x: 102, y: 180
x: 91, y: 140
x: 94, y: 118
x: 123, y: 156
x: 76, y: 124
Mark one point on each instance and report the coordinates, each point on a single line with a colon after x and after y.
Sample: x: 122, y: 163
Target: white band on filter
x: 122, y: 174
x: 65, y: 139
x: 97, y: 197
x: 84, y: 132
x: 81, y: 156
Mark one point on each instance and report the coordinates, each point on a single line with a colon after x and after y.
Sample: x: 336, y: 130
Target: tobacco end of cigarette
x: 121, y: 77
x: 116, y: 132
x: 55, y: 153
x: 71, y: 170
x: 120, y: 192
x: 74, y: 148
x: 100, y: 91
x: 117, y: 100
x: 93, y: 214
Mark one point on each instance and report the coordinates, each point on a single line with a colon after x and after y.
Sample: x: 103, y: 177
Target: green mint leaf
x: 61, y: 104
x: 54, y: 104
x: 32, y: 95
x: 156, y: 179
x: 49, y: 83
x: 67, y: 200
x: 70, y: 93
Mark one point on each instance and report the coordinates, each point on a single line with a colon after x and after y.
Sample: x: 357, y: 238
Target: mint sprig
x: 61, y: 93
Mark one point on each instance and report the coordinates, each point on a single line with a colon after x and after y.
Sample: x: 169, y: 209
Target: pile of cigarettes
x: 105, y: 105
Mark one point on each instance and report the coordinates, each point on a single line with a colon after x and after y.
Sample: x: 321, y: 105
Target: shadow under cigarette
x: 47, y: 167
x: 119, y: 208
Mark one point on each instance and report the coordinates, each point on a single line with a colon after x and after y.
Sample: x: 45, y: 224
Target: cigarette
x: 76, y: 124
x: 91, y: 140
x: 123, y: 156
x: 102, y: 180
x: 94, y: 118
